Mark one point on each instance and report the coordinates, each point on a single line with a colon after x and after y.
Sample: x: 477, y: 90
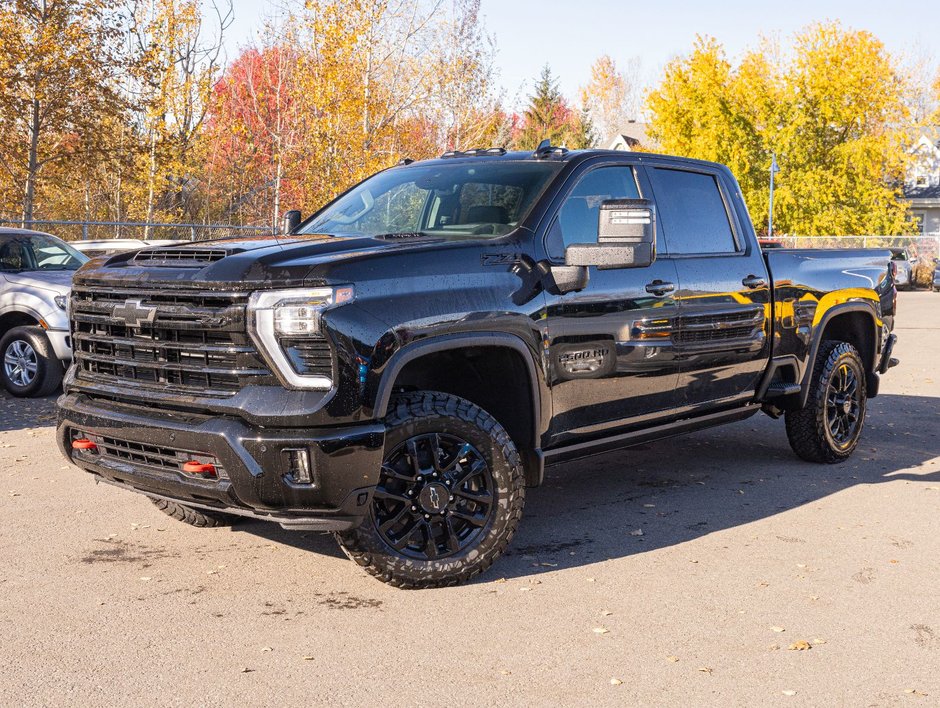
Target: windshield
x: 22, y: 252
x: 482, y: 198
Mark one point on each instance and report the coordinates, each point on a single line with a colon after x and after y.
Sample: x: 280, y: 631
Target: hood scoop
x: 181, y: 257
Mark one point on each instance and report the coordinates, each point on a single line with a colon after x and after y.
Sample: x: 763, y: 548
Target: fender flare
x: 819, y: 329
x: 432, y: 345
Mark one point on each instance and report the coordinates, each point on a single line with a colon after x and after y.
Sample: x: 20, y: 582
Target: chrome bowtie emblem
x: 133, y: 313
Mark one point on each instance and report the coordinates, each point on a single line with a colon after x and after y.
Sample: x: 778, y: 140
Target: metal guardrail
x: 85, y: 230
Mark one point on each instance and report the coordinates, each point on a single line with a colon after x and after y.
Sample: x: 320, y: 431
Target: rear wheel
x: 828, y: 428
x: 449, y: 497
x: 201, y: 518
x: 28, y: 366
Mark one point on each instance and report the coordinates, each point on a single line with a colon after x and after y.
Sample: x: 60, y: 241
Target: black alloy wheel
x: 434, y: 497
x: 829, y: 426
x: 843, y: 406
x: 448, y: 498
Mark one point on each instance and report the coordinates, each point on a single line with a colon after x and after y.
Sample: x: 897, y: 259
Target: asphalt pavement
x: 713, y: 569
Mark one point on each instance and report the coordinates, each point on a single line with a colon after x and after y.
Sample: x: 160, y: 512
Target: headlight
x: 61, y: 301
x: 284, y: 324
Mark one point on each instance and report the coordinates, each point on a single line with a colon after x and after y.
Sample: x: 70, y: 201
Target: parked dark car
x: 406, y: 362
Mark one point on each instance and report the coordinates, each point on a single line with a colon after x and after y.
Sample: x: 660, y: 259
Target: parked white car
x: 35, y: 279
x: 107, y: 246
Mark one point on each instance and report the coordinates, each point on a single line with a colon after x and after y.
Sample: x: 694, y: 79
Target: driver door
x: 610, y: 353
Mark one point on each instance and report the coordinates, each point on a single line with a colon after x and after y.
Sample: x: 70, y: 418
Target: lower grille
x: 152, y: 457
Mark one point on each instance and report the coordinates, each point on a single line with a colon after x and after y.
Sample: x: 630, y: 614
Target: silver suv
x: 35, y: 278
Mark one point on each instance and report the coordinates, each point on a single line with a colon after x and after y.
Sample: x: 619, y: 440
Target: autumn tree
x: 59, y: 64
x: 832, y: 111
x: 177, y: 54
x: 549, y: 117
x: 254, y: 135
x: 611, y: 96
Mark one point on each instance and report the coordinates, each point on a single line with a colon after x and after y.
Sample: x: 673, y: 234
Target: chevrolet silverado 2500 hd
x: 404, y: 363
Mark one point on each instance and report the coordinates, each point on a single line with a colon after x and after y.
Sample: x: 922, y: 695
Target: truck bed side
x: 819, y: 293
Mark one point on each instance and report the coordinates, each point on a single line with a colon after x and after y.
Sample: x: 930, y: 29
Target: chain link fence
x: 104, y: 230
x: 921, y: 248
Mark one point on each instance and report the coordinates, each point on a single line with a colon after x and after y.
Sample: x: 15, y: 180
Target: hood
x: 283, y: 261
x: 56, y: 281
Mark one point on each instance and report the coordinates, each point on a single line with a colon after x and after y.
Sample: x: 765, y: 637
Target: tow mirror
x: 626, y: 237
x: 291, y: 221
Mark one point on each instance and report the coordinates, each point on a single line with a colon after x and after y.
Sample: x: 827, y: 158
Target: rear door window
x: 692, y: 212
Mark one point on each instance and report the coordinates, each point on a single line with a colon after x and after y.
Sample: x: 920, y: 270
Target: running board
x: 637, y: 437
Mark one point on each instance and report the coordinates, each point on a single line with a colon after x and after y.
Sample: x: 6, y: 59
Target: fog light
x: 298, y: 466
x: 84, y: 444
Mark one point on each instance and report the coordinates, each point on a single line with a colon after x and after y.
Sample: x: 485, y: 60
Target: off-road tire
x: 49, y: 369
x: 807, y: 428
x: 200, y: 518
x: 421, y: 413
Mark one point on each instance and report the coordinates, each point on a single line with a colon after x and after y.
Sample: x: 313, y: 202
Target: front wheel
x: 449, y: 497
x: 828, y: 428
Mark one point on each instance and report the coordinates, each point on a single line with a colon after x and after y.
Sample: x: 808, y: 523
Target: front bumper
x: 137, y: 448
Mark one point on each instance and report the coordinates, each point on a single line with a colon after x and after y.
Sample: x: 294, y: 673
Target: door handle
x: 658, y: 287
x: 754, y: 281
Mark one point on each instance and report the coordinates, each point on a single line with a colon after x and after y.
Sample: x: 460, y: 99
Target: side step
x: 780, y: 388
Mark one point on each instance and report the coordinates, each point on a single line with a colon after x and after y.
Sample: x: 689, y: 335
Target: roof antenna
x: 546, y: 149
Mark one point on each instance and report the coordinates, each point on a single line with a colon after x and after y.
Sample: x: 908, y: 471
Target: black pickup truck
x: 399, y: 367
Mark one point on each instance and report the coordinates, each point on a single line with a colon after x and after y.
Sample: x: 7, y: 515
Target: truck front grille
x: 190, y: 342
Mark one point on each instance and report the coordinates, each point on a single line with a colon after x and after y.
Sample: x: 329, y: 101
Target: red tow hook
x: 201, y: 468
x: 84, y: 444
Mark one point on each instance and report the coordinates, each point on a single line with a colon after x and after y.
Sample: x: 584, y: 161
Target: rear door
x: 722, y: 335
x: 610, y: 359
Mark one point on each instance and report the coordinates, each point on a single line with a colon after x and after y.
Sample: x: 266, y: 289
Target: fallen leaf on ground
x: 637, y: 532
x: 801, y: 645
x: 788, y: 693
x: 246, y: 670
x: 615, y: 682
x: 673, y: 659
x: 777, y: 629
x: 266, y: 649
x: 309, y: 658
x: 705, y: 669
x: 601, y: 630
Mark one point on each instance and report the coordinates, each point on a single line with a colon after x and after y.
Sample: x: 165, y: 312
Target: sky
x: 569, y: 35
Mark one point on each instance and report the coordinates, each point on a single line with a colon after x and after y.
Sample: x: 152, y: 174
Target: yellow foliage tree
x: 59, y: 64
x: 833, y: 114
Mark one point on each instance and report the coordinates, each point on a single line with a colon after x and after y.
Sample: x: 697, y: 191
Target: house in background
x: 631, y: 137
x: 922, y: 184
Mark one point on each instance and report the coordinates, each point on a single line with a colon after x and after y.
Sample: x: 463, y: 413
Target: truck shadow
x: 686, y: 488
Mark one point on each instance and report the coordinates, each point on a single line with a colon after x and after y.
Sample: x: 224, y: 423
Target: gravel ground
x: 745, y: 553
